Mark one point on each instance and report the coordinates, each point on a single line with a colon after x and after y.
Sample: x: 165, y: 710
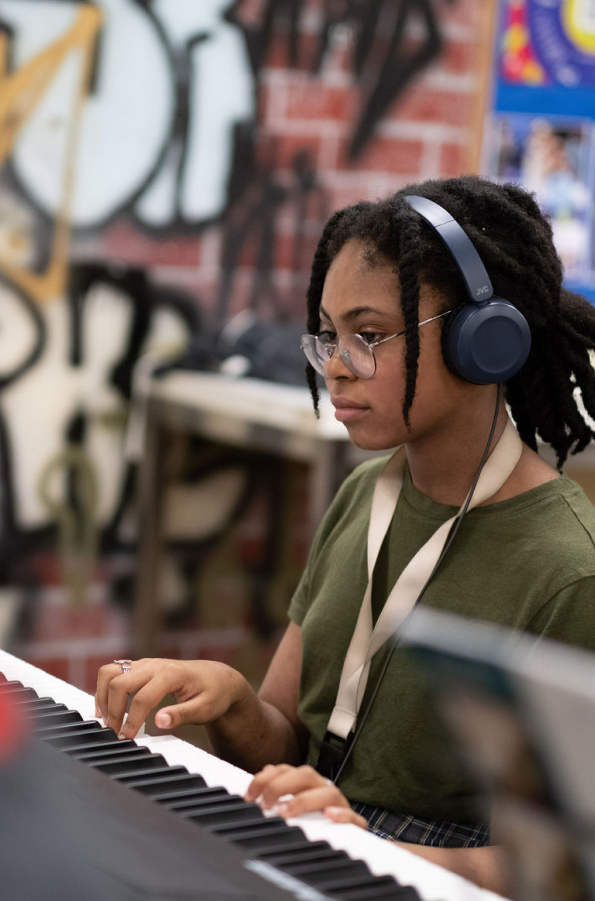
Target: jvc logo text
x: 484, y: 290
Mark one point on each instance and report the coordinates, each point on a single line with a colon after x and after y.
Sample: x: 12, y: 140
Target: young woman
x: 523, y: 558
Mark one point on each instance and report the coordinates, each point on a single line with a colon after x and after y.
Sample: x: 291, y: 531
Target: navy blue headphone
x: 489, y: 339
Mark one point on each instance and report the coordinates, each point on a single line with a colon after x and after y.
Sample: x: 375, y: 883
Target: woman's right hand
x: 204, y: 690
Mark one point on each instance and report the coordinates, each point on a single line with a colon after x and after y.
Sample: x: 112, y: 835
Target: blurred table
x: 244, y: 413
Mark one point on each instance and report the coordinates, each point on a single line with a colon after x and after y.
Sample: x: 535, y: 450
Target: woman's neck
x: 443, y: 466
x: 444, y: 469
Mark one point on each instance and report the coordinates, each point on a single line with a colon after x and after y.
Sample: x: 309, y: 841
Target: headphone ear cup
x: 447, y: 324
x: 487, y: 343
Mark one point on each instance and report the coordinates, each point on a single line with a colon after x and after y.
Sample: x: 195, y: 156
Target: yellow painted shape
x: 20, y: 94
x: 532, y: 73
x: 578, y: 19
x: 517, y: 38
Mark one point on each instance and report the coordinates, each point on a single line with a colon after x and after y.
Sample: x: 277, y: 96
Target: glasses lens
x: 357, y: 356
x: 315, y: 352
x: 353, y: 350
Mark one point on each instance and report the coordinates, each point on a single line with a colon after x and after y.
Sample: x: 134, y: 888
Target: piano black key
x: 69, y: 729
x: 232, y: 809
x: 49, y: 717
x: 365, y: 888
x: 308, y: 852
x: 335, y: 873
x: 51, y: 708
x: 268, y: 834
x: 80, y: 740
x: 217, y: 828
x: 400, y: 893
x: 194, y: 797
x: 182, y: 779
x: 210, y: 801
x: 18, y: 692
x: 32, y: 703
x: 13, y: 685
x: 118, y: 767
x: 182, y: 788
x: 394, y: 893
x: 117, y: 748
x: 155, y: 777
x: 27, y: 704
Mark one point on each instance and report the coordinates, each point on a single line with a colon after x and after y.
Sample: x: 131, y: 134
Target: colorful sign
x: 541, y: 129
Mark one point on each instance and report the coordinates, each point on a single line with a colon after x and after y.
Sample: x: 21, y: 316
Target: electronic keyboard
x: 307, y: 857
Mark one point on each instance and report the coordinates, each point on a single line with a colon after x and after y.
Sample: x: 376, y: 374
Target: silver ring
x: 125, y: 664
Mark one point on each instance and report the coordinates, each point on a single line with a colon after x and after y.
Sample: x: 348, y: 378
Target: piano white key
x: 44, y: 684
x: 383, y: 858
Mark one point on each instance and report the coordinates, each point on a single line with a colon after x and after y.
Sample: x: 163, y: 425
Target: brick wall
x: 429, y: 131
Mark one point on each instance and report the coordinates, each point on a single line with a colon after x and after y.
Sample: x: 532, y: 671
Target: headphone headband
x: 473, y: 272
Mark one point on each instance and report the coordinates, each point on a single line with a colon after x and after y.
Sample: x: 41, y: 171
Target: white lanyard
x: 366, y: 641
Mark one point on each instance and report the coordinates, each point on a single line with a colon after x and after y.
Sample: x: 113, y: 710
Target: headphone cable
x: 397, y: 635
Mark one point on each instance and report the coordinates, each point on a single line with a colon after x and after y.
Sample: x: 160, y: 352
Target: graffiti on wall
x: 165, y: 132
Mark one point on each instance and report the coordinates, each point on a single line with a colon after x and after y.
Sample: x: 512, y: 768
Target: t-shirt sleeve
x: 569, y: 616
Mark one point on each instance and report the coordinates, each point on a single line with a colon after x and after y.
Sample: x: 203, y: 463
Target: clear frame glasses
x: 355, y: 352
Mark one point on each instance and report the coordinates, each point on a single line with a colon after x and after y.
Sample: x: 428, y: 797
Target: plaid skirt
x: 437, y: 833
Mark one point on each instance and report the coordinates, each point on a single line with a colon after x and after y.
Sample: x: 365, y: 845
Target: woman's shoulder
x: 578, y: 505
x: 553, y: 527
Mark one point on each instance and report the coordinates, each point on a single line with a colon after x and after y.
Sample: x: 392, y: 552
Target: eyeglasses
x: 355, y: 352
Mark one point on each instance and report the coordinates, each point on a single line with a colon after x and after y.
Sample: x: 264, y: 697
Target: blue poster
x: 563, y: 35
x: 541, y: 129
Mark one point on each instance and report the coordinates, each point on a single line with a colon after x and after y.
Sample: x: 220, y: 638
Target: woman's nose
x: 336, y: 367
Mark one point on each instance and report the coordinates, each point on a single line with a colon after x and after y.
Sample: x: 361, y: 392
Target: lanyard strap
x: 367, y: 640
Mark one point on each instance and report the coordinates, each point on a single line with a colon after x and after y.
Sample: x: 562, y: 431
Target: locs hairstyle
x: 514, y: 241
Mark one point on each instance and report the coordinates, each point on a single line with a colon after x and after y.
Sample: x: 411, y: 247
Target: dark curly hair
x: 514, y: 241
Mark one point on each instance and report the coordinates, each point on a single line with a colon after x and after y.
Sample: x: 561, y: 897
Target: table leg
x: 328, y: 470
x: 146, y: 618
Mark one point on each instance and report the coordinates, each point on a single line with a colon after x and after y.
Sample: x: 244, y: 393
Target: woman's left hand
x: 310, y: 792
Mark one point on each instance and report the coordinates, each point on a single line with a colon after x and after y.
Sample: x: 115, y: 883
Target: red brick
x: 250, y: 12
x: 57, y: 667
x: 55, y: 622
x: 395, y: 155
x: 279, y: 54
x: 458, y: 57
x: 464, y: 13
x: 452, y: 160
x: 123, y: 242
x: 445, y: 107
x: 250, y: 550
x: 289, y: 146
x: 284, y: 251
x: 47, y: 569
x: 314, y: 100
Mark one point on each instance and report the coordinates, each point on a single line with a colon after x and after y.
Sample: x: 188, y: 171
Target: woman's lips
x: 347, y: 410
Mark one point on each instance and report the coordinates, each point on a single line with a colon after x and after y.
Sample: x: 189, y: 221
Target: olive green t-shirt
x: 527, y: 563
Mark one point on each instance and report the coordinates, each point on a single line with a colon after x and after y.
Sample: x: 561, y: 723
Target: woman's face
x: 364, y: 297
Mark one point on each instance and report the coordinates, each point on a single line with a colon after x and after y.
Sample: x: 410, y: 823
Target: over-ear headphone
x: 489, y: 339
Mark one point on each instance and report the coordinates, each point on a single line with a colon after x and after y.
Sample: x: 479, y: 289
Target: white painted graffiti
x: 171, y: 82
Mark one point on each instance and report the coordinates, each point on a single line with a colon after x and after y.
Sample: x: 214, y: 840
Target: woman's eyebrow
x: 355, y: 312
